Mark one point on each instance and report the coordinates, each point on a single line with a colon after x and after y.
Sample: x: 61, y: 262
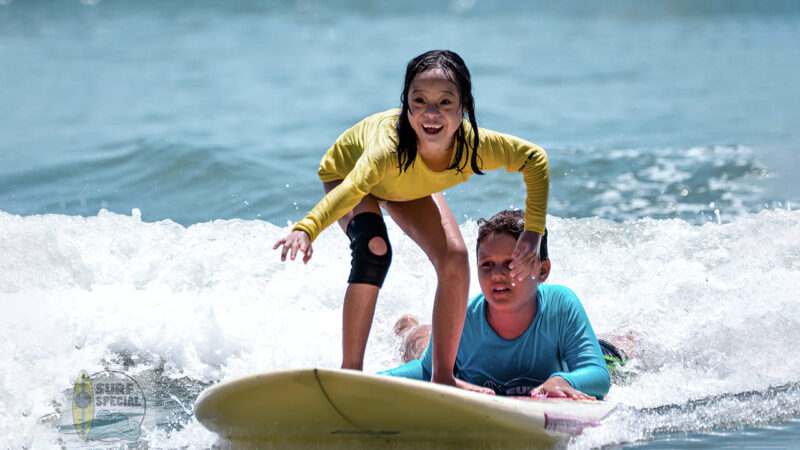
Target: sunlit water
x: 150, y: 154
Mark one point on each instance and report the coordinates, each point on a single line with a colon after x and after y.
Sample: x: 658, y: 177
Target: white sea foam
x: 708, y: 312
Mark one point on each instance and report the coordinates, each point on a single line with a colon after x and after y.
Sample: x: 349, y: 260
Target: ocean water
x: 151, y: 153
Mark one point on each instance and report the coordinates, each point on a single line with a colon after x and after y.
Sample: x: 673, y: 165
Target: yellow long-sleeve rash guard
x: 365, y: 158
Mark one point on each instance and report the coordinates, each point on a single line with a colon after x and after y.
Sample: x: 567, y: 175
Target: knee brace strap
x: 367, y: 267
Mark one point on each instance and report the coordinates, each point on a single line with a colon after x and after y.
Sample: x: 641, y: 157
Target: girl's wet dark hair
x: 456, y: 71
x: 511, y: 222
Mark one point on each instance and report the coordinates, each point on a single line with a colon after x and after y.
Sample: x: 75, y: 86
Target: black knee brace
x: 367, y: 267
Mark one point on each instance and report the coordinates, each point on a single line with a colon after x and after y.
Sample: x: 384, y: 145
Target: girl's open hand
x: 294, y: 241
x: 559, y: 387
x: 525, y: 255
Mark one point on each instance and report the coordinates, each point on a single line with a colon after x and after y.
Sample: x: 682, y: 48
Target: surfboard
x: 83, y: 405
x: 329, y: 405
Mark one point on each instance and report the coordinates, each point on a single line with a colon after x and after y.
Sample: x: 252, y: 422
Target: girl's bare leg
x: 359, y: 299
x: 431, y: 224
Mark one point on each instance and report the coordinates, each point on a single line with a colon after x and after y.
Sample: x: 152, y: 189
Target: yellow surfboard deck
x: 327, y: 405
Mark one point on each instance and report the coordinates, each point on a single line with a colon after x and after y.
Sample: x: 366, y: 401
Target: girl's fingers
x: 518, y: 273
x: 520, y: 249
x: 284, y: 250
x: 291, y: 244
x: 524, y: 254
x: 522, y: 266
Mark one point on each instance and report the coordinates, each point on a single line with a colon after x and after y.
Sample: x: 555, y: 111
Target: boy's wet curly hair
x: 511, y: 222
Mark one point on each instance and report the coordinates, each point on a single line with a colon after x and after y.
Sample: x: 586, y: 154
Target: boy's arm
x: 415, y: 370
x: 580, y: 350
x: 412, y: 369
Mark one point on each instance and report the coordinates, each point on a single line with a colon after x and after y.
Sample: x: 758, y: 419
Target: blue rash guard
x: 559, y: 342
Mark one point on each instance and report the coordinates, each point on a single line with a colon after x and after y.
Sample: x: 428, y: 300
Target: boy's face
x: 494, y: 257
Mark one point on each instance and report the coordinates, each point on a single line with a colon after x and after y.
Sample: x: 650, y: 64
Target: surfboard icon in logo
x: 83, y: 405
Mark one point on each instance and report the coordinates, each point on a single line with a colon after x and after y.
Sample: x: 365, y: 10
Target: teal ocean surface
x: 152, y: 152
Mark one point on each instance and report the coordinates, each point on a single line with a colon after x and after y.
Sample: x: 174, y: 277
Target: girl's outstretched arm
x: 294, y: 241
x: 518, y: 155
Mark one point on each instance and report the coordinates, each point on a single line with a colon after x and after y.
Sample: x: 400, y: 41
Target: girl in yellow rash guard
x: 400, y: 160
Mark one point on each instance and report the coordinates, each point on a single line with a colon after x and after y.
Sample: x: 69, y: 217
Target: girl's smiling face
x: 435, y: 111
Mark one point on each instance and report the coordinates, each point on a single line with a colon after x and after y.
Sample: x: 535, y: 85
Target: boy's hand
x: 559, y: 388
x: 474, y: 388
x: 294, y: 241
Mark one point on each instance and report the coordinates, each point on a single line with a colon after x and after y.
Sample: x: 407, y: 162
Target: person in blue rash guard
x: 521, y: 338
